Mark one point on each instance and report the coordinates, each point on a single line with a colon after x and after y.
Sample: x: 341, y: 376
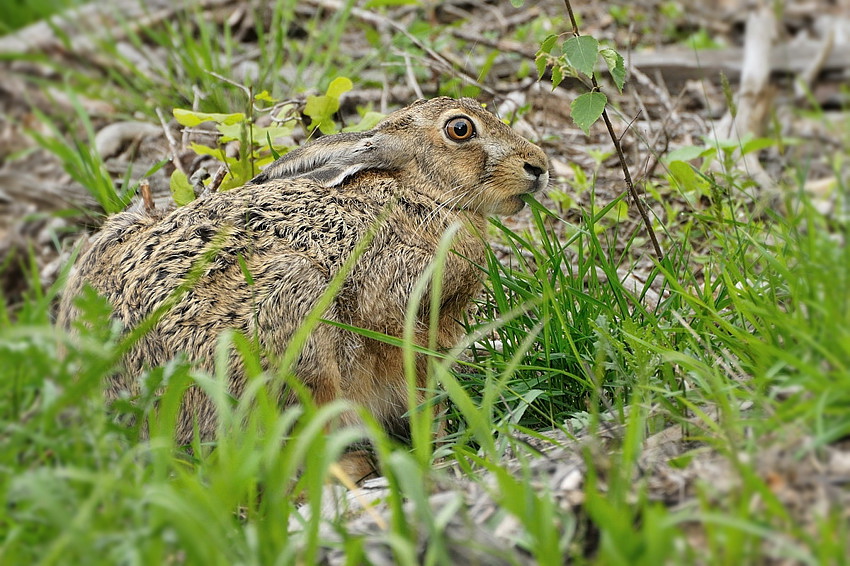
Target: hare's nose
x: 538, y: 176
x: 533, y: 170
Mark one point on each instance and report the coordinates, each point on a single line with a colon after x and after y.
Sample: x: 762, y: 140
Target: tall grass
x: 755, y: 343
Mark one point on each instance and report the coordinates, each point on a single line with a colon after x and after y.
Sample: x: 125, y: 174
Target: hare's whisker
x: 446, y: 204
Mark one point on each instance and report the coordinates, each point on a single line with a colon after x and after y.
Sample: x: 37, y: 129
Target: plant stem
x: 626, y: 175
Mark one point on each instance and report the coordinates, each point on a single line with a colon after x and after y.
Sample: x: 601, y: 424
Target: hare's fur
x: 293, y: 227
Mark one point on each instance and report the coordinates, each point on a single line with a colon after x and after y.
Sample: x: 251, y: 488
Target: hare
x: 433, y: 165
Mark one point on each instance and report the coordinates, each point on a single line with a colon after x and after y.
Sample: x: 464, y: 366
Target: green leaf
x: 181, y: 190
x: 470, y: 91
x: 275, y: 132
x: 581, y: 53
x: 367, y: 122
x: 206, y: 150
x: 616, y: 66
x: 338, y: 87
x: 548, y: 44
x: 587, y: 108
x: 243, y: 265
x: 156, y: 167
x: 190, y: 118
x: 239, y: 172
x: 541, y: 62
x: 757, y: 144
x: 685, y: 153
x: 321, y: 109
x: 517, y: 3
x: 286, y: 113
x: 264, y: 96
x: 728, y: 144
x: 261, y: 162
x: 270, y: 145
x: 234, y: 132
x: 557, y: 75
x: 229, y: 132
x: 684, y: 175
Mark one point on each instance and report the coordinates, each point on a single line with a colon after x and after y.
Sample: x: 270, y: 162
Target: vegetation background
x: 610, y: 407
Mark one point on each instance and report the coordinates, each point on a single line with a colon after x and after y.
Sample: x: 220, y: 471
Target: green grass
x: 21, y: 13
x: 748, y: 350
x: 81, y: 489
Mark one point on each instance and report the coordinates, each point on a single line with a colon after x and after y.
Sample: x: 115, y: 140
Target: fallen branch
x: 753, y: 100
x: 679, y: 64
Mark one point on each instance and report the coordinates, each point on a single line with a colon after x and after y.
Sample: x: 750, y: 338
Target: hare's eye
x: 460, y: 129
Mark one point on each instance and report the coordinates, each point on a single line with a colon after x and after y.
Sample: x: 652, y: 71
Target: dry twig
x: 172, y: 143
x: 147, y: 197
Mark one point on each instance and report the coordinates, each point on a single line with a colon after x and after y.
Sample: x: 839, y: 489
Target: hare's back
x: 137, y: 260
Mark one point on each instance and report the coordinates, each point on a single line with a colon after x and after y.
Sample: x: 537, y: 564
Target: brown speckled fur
x: 294, y: 226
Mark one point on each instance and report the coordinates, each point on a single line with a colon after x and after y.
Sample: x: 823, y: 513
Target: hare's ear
x: 331, y: 160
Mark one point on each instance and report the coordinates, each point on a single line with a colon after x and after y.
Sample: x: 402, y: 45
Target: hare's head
x: 453, y: 150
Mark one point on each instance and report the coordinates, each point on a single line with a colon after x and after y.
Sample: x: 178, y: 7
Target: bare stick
x: 147, y: 198
x: 172, y: 143
x: 373, y: 18
x: 626, y: 175
x: 215, y: 182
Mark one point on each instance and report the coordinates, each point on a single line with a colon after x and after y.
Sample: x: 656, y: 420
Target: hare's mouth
x: 515, y: 203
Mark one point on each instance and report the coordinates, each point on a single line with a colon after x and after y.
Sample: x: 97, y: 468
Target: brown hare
x: 425, y: 168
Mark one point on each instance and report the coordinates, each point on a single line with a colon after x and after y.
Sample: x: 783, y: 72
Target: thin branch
x: 440, y: 61
x: 626, y: 175
x: 172, y: 143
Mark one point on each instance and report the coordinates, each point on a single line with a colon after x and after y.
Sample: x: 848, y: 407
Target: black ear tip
x: 258, y: 180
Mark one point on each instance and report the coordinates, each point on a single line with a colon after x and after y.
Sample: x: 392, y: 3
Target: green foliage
x: 581, y: 53
x: 762, y: 305
x: 664, y: 22
x: 616, y: 66
x: 259, y: 146
x: 554, y: 376
x: 701, y: 39
x: 587, y: 108
x: 181, y: 189
x: 321, y: 109
x: 693, y: 169
x: 202, y: 58
x: 578, y: 57
x: 254, y: 145
x: 191, y: 119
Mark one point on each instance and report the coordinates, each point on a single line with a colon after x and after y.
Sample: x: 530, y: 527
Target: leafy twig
x: 626, y: 175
